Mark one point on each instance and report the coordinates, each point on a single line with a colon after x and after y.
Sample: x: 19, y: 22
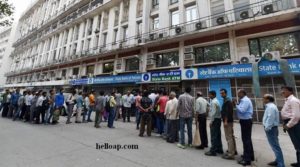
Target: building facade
x: 157, y: 44
x: 5, y: 45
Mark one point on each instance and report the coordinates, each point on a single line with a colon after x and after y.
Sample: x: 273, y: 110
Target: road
x: 74, y: 145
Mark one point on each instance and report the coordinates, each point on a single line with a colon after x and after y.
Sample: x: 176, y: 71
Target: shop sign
x: 129, y: 78
x: 166, y: 76
x: 266, y: 68
x: 83, y: 81
x: 189, y: 74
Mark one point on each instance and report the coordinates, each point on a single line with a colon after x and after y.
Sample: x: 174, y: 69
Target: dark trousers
x: 23, y: 110
x: 246, y: 130
x: 216, y: 140
x: 5, y: 109
x: 27, y: 113
x: 160, y: 122
x: 40, y: 112
x: 173, y: 131
x: 126, y: 113
x: 146, y: 120
x: 111, y: 118
x: 202, y: 130
x: 294, y: 134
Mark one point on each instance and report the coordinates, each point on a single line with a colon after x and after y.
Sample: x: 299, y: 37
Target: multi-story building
x: 157, y: 44
x: 5, y: 34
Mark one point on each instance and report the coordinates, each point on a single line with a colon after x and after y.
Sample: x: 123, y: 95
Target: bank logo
x: 189, y: 74
x: 146, y: 77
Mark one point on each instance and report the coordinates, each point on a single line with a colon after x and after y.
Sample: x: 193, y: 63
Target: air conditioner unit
x: 247, y: 59
x: 270, y: 8
x: 140, y: 40
x: 97, y: 31
x: 274, y: 55
x: 160, y: 35
x: 200, y: 25
x: 188, y: 50
x: 150, y: 59
x: 152, y: 36
x: 246, y: 14
x: 189, y: 56
x: 222, y: 20
x: 178, y: 30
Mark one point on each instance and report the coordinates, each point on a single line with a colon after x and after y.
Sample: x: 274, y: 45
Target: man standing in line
x: 49, y: 112
x: 138, y: 113
x: 227, y: 117
x: 39, y: 109
x: 28, y: 99
x: 172, y: 117
x: 160, y: 121
x: 14, y: 103
x: 119, y: 105
x: 145, y: 106
x: 21, y: 103
x: 59, y: 103
x: 91, y: 105
x: 291, y: 117
x: 215, y: 125
x: 79, y: 106
x: 99, y: 108
x: 71, y: 103
x: 271, y: 122
x: 201, y: 108
x: 33, y: 106
x: 6, y: 102
x: 112, y: 106
x: 127, y: 101
x: 186, y: 110
x: 244, y: 112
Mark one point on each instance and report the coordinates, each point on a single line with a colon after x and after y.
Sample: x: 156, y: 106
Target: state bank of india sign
x: 166, y: 76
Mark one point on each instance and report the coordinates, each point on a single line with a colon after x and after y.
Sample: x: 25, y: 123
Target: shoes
x: 244, y: 163
x: 137, y: 128
x: 78, y: 122
x: 141, y: 135
x: 68, y: 122
x: 200, y: 147
x: 189, y: 145
x: 226, y: 156
x: 295, y: 164
x: 169, y: 141
x: 209, y: 153
x: 181, y: 146
x: 97, y: 126
x: 274, y: 163
x: 90, y: 120
x: 220, y: 152
x: 236, y: 153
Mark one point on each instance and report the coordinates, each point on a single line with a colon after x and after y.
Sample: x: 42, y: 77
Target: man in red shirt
x: 160, y: 119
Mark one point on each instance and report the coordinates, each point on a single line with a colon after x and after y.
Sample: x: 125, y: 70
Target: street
x: 74, y: 145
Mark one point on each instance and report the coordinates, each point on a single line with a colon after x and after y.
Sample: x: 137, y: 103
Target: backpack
x: 46, y: 104
x: 107, y: 105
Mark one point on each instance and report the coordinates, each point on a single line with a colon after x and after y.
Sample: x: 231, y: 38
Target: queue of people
x: 167, y: 116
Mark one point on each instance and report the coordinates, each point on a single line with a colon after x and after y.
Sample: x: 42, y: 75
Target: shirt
x: 227, y: 110
x: 59, y: 100
x: 100, y: 103
x: 146, y: 102
x: 244, y: 108
x: 112, y: 101
x: 71, y: 99
x: 119, y: 99
x: 153, y: 97
x: 271, y: 116
x: 162, y: 102
x: 127, y: 100
x: 28, y: 99
x: 14, y: 98
x: 214, y: 110
x: 291, y: 110
x: 185, y: 105
x: 79, y: 101
x: 21, y: 101
x: 171, y: 111
x: 40, y: 100
x: 138, y: 100
x: 201, y: 105
x: 92, y: 100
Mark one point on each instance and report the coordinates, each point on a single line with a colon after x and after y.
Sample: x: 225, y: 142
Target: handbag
x: 196, y: 140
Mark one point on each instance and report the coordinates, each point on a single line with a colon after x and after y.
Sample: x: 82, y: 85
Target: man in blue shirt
x: 244, y: 112
x: 59, y: 103
x: 14, y: 102
x: 271, y: 122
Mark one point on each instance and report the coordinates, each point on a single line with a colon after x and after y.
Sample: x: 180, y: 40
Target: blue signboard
x: 245, y: 70
x: 83, y: 81
x: 128, y: 78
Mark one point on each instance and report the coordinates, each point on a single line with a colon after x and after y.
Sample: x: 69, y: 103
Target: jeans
x: 295, y: 137
x: 146, y: 120
x: 91, y: 109
x: 215, y: 133
x: 137, y: 117
x: 173, y: 131
x: 272, y: 136
x: 98, y: 117
x: 70, y: 112
x: 188, y: 121
x: 126, y: 113
x: 16, y: 112
x: 203, y: 129
x: 111, y: 118
x: 49, y: 113
x: 246, y: 130
x: 160, y: 122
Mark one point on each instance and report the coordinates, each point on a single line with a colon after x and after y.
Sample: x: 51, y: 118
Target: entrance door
x: 218, y: 84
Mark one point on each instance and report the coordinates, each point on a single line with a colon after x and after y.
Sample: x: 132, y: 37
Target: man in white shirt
x: 173, y: 117
x: 28, y: 99
x: 201, y: 108
x: 40, y: 110
x: 291, y: 117
x: 127, y: 102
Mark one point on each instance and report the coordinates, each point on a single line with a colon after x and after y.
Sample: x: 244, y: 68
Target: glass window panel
x: 132, y: 64
x: 167, y: 59
x: 108, y: 67
x: 214, y: 53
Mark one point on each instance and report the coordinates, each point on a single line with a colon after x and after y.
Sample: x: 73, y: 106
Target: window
x: 175, y: 18
x: 132, y: 64
x: 139, y: 28
x: 155, y: 3
x: 104, y: 39
x: 76, y: 32
x: 125, y: 33
x: 84, y: 29
x: 287, y: 44
x: 90, y: 30
x: 191, y: 13
x: 155, y: 23
x: 217, y: 10
x: 214, y: 53
x: 115, y: 36
x: 75, y: 71
x: 173, y: 1
x: 96, y: 41
x: 240, y: 6
x: 74, y: 48
x: 63, y: 73
x: 167, y: 59
x: 88, y: 44
x: 139, y: 9
x: 108, y: 67
x: 90, y: 69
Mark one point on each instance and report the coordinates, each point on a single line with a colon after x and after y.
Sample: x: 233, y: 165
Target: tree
x: 6, y: 11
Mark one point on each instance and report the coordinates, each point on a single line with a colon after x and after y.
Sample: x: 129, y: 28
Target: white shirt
x: 127, y: 100
x: 171, y: 109
x: 201, y: 105
x: 40, y: 100
x: 28, y: 99
x: 291, y: 110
